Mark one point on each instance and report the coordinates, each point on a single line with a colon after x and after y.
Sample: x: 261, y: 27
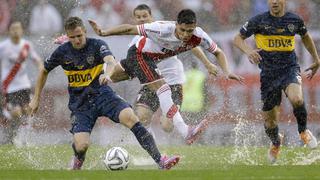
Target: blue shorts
x: 106, y: 104
x: 272, y: 84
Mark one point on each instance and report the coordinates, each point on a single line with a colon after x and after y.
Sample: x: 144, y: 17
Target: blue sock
x: 301, y: 115
x: 80, y: 155
x: 146, y: 141
x: 273, y: 134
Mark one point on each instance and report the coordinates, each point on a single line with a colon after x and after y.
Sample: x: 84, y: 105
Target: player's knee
x: 166, y: 124
x: 297, y: 101
x: 128, y: 118
x: 271, y: 123
x: 144, y: 115
x: 16, y: 112
x: 82, y: 146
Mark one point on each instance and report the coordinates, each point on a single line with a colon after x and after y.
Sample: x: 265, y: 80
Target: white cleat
x: 308, y: 139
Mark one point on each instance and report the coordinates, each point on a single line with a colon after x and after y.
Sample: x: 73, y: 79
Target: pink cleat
x: 167, y: 163
x: 195, y: 131
x: 76, y: 163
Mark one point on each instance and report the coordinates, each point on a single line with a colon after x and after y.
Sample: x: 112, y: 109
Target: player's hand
x: 61, y: 39
x: 104, y: 79
x: 97, y: 29
x: 33, y: 106
x: 212, y: 69
x: 238, y: 78
x: 311, y: 71
x: 254, y: 56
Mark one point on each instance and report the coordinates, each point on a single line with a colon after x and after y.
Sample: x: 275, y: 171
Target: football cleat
x: 167, y: 163
x: 76, y: 163
x: 194, y: 132
x: 274, y: 151
x: 308, y: 139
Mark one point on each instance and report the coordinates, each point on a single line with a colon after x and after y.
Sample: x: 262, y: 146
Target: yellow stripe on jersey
x: 83, y: 77
x: 275, y: 42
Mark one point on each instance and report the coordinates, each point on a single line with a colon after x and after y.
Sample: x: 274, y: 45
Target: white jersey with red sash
x: 171, y: 68
x: 161, y: 42
x: 13, y: 67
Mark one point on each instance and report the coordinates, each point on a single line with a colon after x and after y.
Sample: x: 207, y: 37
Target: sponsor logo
x: 280, y: 43
x: 79, y: 78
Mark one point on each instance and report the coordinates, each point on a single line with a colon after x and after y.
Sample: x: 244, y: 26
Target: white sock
x: 165, y: 99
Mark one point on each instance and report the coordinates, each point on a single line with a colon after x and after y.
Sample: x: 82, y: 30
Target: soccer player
x: 160, y: 40
x: 14, y: 52
x: 83, y: 62
x: 172, y: 71
x: 274, y: 33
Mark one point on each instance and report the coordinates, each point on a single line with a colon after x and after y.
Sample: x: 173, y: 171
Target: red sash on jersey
x: 16, y: 67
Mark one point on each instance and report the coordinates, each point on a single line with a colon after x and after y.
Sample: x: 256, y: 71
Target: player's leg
x: 145, y: 106
x: 82, y: 124
x: 17, y: 103
x: 130, y: 120
x: 194, y: 132
x: 80, y: 146
x: 295, y: 96
x: 271, y: 98
x: 143, y: 67
x: 120, y: 111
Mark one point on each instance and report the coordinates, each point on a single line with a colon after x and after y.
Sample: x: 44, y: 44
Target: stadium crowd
x: 46, y: 17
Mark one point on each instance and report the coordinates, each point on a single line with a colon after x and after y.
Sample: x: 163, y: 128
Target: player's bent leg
x: 272, y: 131
x: 166, y: 124
x: 80, y: 146
x: 168, y: 108
x: 130, y: 120
x: 144, y: 114
x: 295, y: 96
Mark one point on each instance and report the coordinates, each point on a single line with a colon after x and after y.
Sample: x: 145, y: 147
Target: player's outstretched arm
x: 212, y: 69
x: 310, y: 46
x: 124, y: 29
x: 222, y: 61
x: 34, y: 104
x: 253, y: 54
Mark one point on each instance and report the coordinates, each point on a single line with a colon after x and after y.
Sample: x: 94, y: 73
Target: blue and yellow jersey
x: 82, y: 68
x: 275, y: 36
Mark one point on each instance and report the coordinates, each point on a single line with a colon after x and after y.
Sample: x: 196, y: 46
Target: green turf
x: 197, y: 162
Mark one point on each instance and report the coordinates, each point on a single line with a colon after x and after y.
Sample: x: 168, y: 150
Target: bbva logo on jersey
x: 79, y: 78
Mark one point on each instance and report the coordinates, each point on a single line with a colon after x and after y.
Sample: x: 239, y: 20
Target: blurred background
x: 233, y: 109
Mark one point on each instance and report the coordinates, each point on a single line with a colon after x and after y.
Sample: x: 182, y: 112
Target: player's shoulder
x: 165, y: 26
x: 292, y: 15
x: 199, y: 32
x: 260, y: 17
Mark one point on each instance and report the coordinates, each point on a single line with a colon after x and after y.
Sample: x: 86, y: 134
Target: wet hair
x: 186, y: 16
x: 72, y: 23
x: 142, y: 7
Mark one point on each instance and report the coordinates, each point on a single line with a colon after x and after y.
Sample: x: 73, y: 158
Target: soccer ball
x: 116, y: 158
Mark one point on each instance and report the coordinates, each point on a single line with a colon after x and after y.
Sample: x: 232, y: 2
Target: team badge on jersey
x: 291, y: 27
x: 90, y: 59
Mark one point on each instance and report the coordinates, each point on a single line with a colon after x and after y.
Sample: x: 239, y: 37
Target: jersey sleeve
x: 104, y: 49
x: 207, y: 43
x: 302, y: 29
x: 250, y: 27
x: 53, y: 60
x: 149, y: 29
